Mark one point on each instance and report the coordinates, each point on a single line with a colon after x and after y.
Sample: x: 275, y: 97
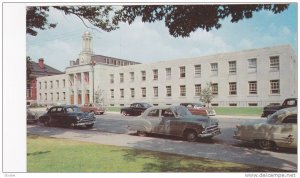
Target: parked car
x: 135, y: 109
x: 279, y: 130
x: 69, y: 116
x: 199, y: 109
x: 32, y: 117
x: 175, y: 121
x: 270, y: 109
x: 94, y: 108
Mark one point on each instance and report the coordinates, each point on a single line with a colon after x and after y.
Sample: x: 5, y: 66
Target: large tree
x: 181, y: 20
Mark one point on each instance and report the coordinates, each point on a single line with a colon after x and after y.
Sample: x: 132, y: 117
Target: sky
x: 146, y: 43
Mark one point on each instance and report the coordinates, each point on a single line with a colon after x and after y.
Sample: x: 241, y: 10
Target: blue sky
x: 143, y: 42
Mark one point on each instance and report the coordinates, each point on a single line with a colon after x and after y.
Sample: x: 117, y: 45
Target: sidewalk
x: 205, y: 150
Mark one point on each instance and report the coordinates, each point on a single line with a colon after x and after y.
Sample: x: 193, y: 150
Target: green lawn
x: 46, y: 154
x: 233, y: 111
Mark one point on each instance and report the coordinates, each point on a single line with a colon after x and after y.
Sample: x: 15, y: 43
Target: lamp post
x: 93, y: 63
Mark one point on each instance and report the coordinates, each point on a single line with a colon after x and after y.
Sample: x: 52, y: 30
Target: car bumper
x: 84, y: 123
x: 210, y: 134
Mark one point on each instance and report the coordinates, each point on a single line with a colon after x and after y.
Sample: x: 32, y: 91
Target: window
x: 132, y: 76
x: 169, y: 90
x: 51, y: 84
x: 45, y: 96
x: 182, y: 72
x: 57, y: 96
x: 274, y: 85
x: 274, y: 63
x: 40, y: 96
x: 40, y: 85
x: 168, y: 73
x: 143, y: 75
x: 121, y: 77
x: 197, y: 89
x: 122, y: 93
x: 232, y: 88
x: 64, y: 83
x: 214, y: 68
x: 232, y: 67
x: 214, y: 88
x: 155, y: 74
x: 214, y: 104
x: 197, y: 70
x: 45, y: 85
x: 111, y: 78
x: 143, y: 92
x: 51, y: 96
x: 232, y: 104
x: 57, y: 83
x: 167, y: 113
x: 155, y: 90
x: 112, y: 94
x: 132, y: 93
x: 252, y: 104
x: 64, y: 95
x: 252, y: 87
x: 154, y: 113
x: 182, y: 90
x: 252, y: 65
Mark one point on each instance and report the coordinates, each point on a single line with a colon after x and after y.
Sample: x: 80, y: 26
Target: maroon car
x: 94, y: 108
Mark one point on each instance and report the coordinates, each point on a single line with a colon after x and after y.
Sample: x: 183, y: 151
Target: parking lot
x: 111, y: 128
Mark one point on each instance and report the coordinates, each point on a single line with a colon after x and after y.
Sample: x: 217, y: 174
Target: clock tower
x: 86, y: 53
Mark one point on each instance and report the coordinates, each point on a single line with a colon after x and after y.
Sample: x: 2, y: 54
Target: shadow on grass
x: 38, y: 153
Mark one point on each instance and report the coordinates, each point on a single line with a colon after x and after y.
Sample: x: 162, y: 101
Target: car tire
x: 266, y: 144
x: 190, y: 136
x: 141, y: 133
x: 124, y: 113
x: 89, y: 126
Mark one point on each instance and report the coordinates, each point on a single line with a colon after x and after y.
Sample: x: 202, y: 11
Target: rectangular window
x: 232, y: 104
x: 232, y: 88
x: 214, y: 68
x: 252, y: 104
x: 51, y: 84
x: 45, y: 96
x: 121, y: 77
x: 143, y: 75
x: 143, y: 92
x: 122, y: 93
x: 182, y: 90
x: 155, y: 74
x: 252, y: 65
x: 168, y: 73
x: 45, y: 85
x: 64, y: 95
x: 252, y: 87
x: 155, y: 90
x: 111, y: 78
x: 274, y: 63
x: 197, y: 70
x: 197, y: 89
x: 51, y: 96
x: 214, y: 88
x: 214, y: 104
x: 132, y: 93
x: 275, y: 87
x: 132, y: 76
x: 112, y: 94
x: 232, y: 67
x: 57, y: 96
x: 57, y: 83
x: 64, y: 83
x: 40, y: 85
x: 40, y: 96
x: 169, y: 90
x: 182, y: 72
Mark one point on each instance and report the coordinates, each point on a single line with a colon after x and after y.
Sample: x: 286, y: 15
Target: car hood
x: 254, y: 124
x: 200, y: 119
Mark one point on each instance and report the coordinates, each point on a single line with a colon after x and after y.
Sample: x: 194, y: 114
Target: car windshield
x: 272, y: 119
x: 181, y: 111
x: 146, y: 105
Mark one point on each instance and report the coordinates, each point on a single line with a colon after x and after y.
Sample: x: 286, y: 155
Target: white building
x: 253, y: 77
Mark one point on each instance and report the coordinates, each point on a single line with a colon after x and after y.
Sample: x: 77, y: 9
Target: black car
x: 135, y: 109
x: 69, y: 116
x: 270, y: 109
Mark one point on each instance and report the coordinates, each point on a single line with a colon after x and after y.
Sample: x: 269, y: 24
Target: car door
x: 53, y: 116
x: 137, y: 109
x: 155, y: 120
x: 60, y: 115
x: 287, y: 136
x: 170, y: 125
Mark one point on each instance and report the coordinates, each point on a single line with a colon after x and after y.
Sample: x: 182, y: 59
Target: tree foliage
x: 28, y: 69
x: 181, y: 20
x: 206, y: 94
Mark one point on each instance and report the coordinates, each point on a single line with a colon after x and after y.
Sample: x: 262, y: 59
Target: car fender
x: 139, y: 125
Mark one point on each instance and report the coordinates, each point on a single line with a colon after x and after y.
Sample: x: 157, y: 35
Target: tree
x: 28, y: 69
x: 99, y: 96
x: 181, y: 20
x: 206, y: 94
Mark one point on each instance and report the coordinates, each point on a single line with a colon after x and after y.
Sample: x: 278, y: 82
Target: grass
x: 45, y: 154
x: 233, y: 111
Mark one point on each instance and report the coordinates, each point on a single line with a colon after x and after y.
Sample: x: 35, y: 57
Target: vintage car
x: 69, y: 116
x: 135, y: 109
x: 278, y: 130
x: 287, y: 103
x: 199, y: 109
x: 175, y: 121
x: 32, y: 117
x: 94, y: 108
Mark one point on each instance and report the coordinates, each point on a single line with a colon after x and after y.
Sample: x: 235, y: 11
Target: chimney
x: 41, y: 63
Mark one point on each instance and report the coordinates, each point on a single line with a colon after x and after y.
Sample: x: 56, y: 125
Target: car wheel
x: 266, y: 144
x: 190, y: 136
x: 72, y: 125
x: 89, y: 126
x: 141, y: 133
x: 124, y: 113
